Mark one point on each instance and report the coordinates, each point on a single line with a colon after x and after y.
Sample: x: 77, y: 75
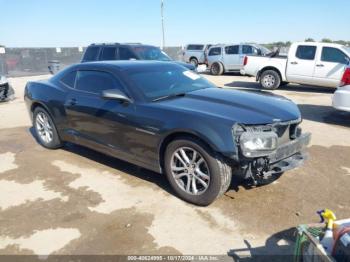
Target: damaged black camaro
x: 168, y: 119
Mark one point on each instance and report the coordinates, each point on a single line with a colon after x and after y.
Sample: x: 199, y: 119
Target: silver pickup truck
x: 196, y: 54
x: 229, y: 58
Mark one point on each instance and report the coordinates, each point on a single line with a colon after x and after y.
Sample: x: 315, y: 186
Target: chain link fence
x: 16, y: 62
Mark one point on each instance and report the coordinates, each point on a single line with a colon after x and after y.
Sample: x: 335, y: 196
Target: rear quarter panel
x: 49, y: 96
x: 257, y: 64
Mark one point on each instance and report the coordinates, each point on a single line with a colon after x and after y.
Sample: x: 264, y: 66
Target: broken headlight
x: 257, y: 144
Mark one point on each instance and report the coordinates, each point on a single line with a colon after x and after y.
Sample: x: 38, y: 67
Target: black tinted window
x: 126, y: 54
x: 248, y: 49
x: 330, y: 54
x: 232, y: 50
x: 96, y: 81
x: 215, y: 51
x: 91, y: 53
x: 306, y: 52
x: 69, y: 79
x: 108, y: 53
x: 195, y: 47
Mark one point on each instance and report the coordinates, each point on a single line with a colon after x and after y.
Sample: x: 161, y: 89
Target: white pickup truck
x: 309, y: 63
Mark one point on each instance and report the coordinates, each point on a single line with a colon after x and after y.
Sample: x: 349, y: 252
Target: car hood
x: 237, y: 106
x: 188, y: 66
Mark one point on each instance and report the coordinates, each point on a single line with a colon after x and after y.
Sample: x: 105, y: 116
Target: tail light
x: 245, y: 61
x: 346, y: 77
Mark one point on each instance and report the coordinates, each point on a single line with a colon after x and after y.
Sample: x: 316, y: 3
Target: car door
x: 231, y: 57
x: 214, y: 55
x: 330, y: 66
x: 94, y: 121
x: 301, y: 64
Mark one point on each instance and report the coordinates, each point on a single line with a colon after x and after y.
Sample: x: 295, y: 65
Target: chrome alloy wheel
x: 190, y: 171
x: 269, y: 81
x: 43, y: 127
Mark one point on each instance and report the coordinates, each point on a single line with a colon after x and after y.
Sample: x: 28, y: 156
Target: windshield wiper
x: 168, y: 96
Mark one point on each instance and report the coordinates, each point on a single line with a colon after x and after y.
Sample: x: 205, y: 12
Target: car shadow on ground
x: 325, y: 114
x: 142, y: 173
x: 290, y: 87
x: 115, y: 163
x: 278, y: 247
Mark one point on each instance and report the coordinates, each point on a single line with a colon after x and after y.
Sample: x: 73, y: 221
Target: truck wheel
x: 217, y: 69
x: 270, y: 79
x: 194, y: 62
x: 45, y: 129
x: 195, y: 172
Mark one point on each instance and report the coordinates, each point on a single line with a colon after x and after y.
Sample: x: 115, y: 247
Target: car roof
x: 120, y: 44
x: 127, y: 65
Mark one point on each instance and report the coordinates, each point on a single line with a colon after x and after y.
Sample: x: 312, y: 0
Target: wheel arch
x: 37, y: 104
x: 177, y: 135
x: 193, y: 57
x: 269, y: 68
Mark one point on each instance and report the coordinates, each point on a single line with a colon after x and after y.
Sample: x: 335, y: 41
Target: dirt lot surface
x: 76, y: 201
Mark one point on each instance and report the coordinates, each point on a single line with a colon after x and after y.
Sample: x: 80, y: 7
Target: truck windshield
x: 151, y: 53
x: 162, y: 83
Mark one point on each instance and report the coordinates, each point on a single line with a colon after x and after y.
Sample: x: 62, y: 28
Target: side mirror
x: 116, y: 94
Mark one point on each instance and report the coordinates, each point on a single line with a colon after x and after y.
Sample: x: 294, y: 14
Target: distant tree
x: 326, y: 40
x: 341, y: 42
x: 288, y: 43
x: 309, y: 40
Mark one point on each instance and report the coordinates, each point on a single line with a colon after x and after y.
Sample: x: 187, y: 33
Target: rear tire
x: 217, y: 69
x: 198, y: 165
x: 45, y: 129
x: 270, y: 79
x: 194, y: 62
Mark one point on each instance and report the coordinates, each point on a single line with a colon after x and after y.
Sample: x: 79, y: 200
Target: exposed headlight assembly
x: 257, y: 144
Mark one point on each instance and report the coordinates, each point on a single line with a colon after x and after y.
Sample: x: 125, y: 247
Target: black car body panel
x: 136, y: 132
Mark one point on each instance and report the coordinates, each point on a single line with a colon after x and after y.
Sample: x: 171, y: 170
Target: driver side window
x: 330, y: 54
x: 96, y: 81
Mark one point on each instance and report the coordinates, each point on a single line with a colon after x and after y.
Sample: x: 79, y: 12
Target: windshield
x: 166, y: 82
x: 151, y: 53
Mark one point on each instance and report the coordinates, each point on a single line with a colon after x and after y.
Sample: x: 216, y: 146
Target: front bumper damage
x: 287, y: 156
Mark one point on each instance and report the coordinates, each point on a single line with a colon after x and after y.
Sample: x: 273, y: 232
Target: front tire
x: 194, y: 62
x: 45, y: 129
x: 217, y: 69
x: 195, y: 172
x: 270, y: 79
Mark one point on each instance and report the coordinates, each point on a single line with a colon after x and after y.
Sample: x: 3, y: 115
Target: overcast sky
x: 57, y: 23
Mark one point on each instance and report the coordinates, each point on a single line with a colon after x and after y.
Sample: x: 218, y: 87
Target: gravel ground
x: 76, y: 201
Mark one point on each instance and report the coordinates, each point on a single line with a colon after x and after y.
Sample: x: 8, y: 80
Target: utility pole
x: 162, y: 16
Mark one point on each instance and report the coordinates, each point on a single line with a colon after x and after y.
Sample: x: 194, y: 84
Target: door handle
x: 320, y: 65
x: 294, y: 63
x: 72, y: 102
